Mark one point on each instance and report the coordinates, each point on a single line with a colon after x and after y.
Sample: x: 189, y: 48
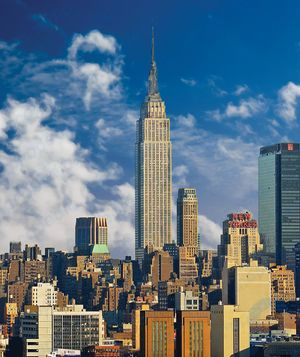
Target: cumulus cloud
x: 97, y: 80
x: 186, y: 120
x: 218, y: 159
x: 45, y: 181
x: 246, y: 108
x: 107, y: 131
x: 210, y: 233
x: 50, y: 169
x: 288, y: 97
x: 180, y: 174
x: 44, y: 178
x: 94, y: 40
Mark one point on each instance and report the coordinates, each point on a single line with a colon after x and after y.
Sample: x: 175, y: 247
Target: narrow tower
x: 153, y: 186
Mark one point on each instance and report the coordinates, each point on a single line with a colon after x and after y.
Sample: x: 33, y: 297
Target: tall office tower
x: 279, y: 200
x: 229, y: 331
x: 283, y: 286
x: 248, y: 287
x: 157, y: 333
x: 240, y: 239
x: 90, y: 231
x: 297, y: 269
x: 153, y: 181
x: 193, y: 333
x: 187, y: 220
x: 15, y: 247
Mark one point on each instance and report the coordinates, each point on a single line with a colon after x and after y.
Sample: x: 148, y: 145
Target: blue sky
x: 72, y: 78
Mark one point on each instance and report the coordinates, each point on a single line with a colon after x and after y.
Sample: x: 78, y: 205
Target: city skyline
x: 69, y: 166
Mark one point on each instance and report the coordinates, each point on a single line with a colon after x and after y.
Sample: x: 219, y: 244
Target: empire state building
x: 153, y: 182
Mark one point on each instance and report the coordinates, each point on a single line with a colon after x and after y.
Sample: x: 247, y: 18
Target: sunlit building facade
x: 153, y: 190
x: 279, y: 200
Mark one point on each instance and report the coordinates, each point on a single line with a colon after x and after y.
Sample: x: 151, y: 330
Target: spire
x: 153, y: 60
x: 153, y: 92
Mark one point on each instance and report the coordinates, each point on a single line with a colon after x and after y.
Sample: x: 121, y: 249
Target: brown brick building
x: 157, y: 333
x: 193, y: 333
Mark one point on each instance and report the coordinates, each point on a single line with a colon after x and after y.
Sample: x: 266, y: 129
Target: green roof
x: 99, y: 249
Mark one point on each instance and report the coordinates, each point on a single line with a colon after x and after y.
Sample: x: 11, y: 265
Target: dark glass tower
x: 297, y: 269
x: 279, y: 200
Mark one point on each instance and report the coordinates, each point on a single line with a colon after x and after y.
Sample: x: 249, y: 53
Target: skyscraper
x: 240, y: 239
x: 297, y: 269
x: 90, y: 231
x: 187, y: 219
x: 153, y: 183
x: 279, y: 200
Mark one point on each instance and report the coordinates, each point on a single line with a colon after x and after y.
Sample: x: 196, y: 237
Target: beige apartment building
x: 230, y: 334
x: 248, y: 287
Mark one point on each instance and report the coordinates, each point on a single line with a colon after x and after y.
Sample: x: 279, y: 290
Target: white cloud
x: 189, y: 82
x: 218, y: 159
x: 94, y: 40
x: 107, y: 131
x: 288, y: 97
x: 241, y: 89
x: 188, y: 120
x: 210, y: 233
x: 246, y: 108
x: 180, y: 174
x: 45, y: 182
x: 98, y: 80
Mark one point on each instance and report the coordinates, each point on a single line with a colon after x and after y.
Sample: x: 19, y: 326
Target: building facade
x: 297, y: 269
x: 193, y: 334
x: 47, y: 329
x: 90, y: 231
x: 187, y: 220
x: 240, y: 239
x: 279, y: 200
x: 153, y: 180
x: 157, y: 333
x: 248, y: 287
x: 43, y: 294
x: 187, y: 265
x: 229, y: 331
x: 283, y: 286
